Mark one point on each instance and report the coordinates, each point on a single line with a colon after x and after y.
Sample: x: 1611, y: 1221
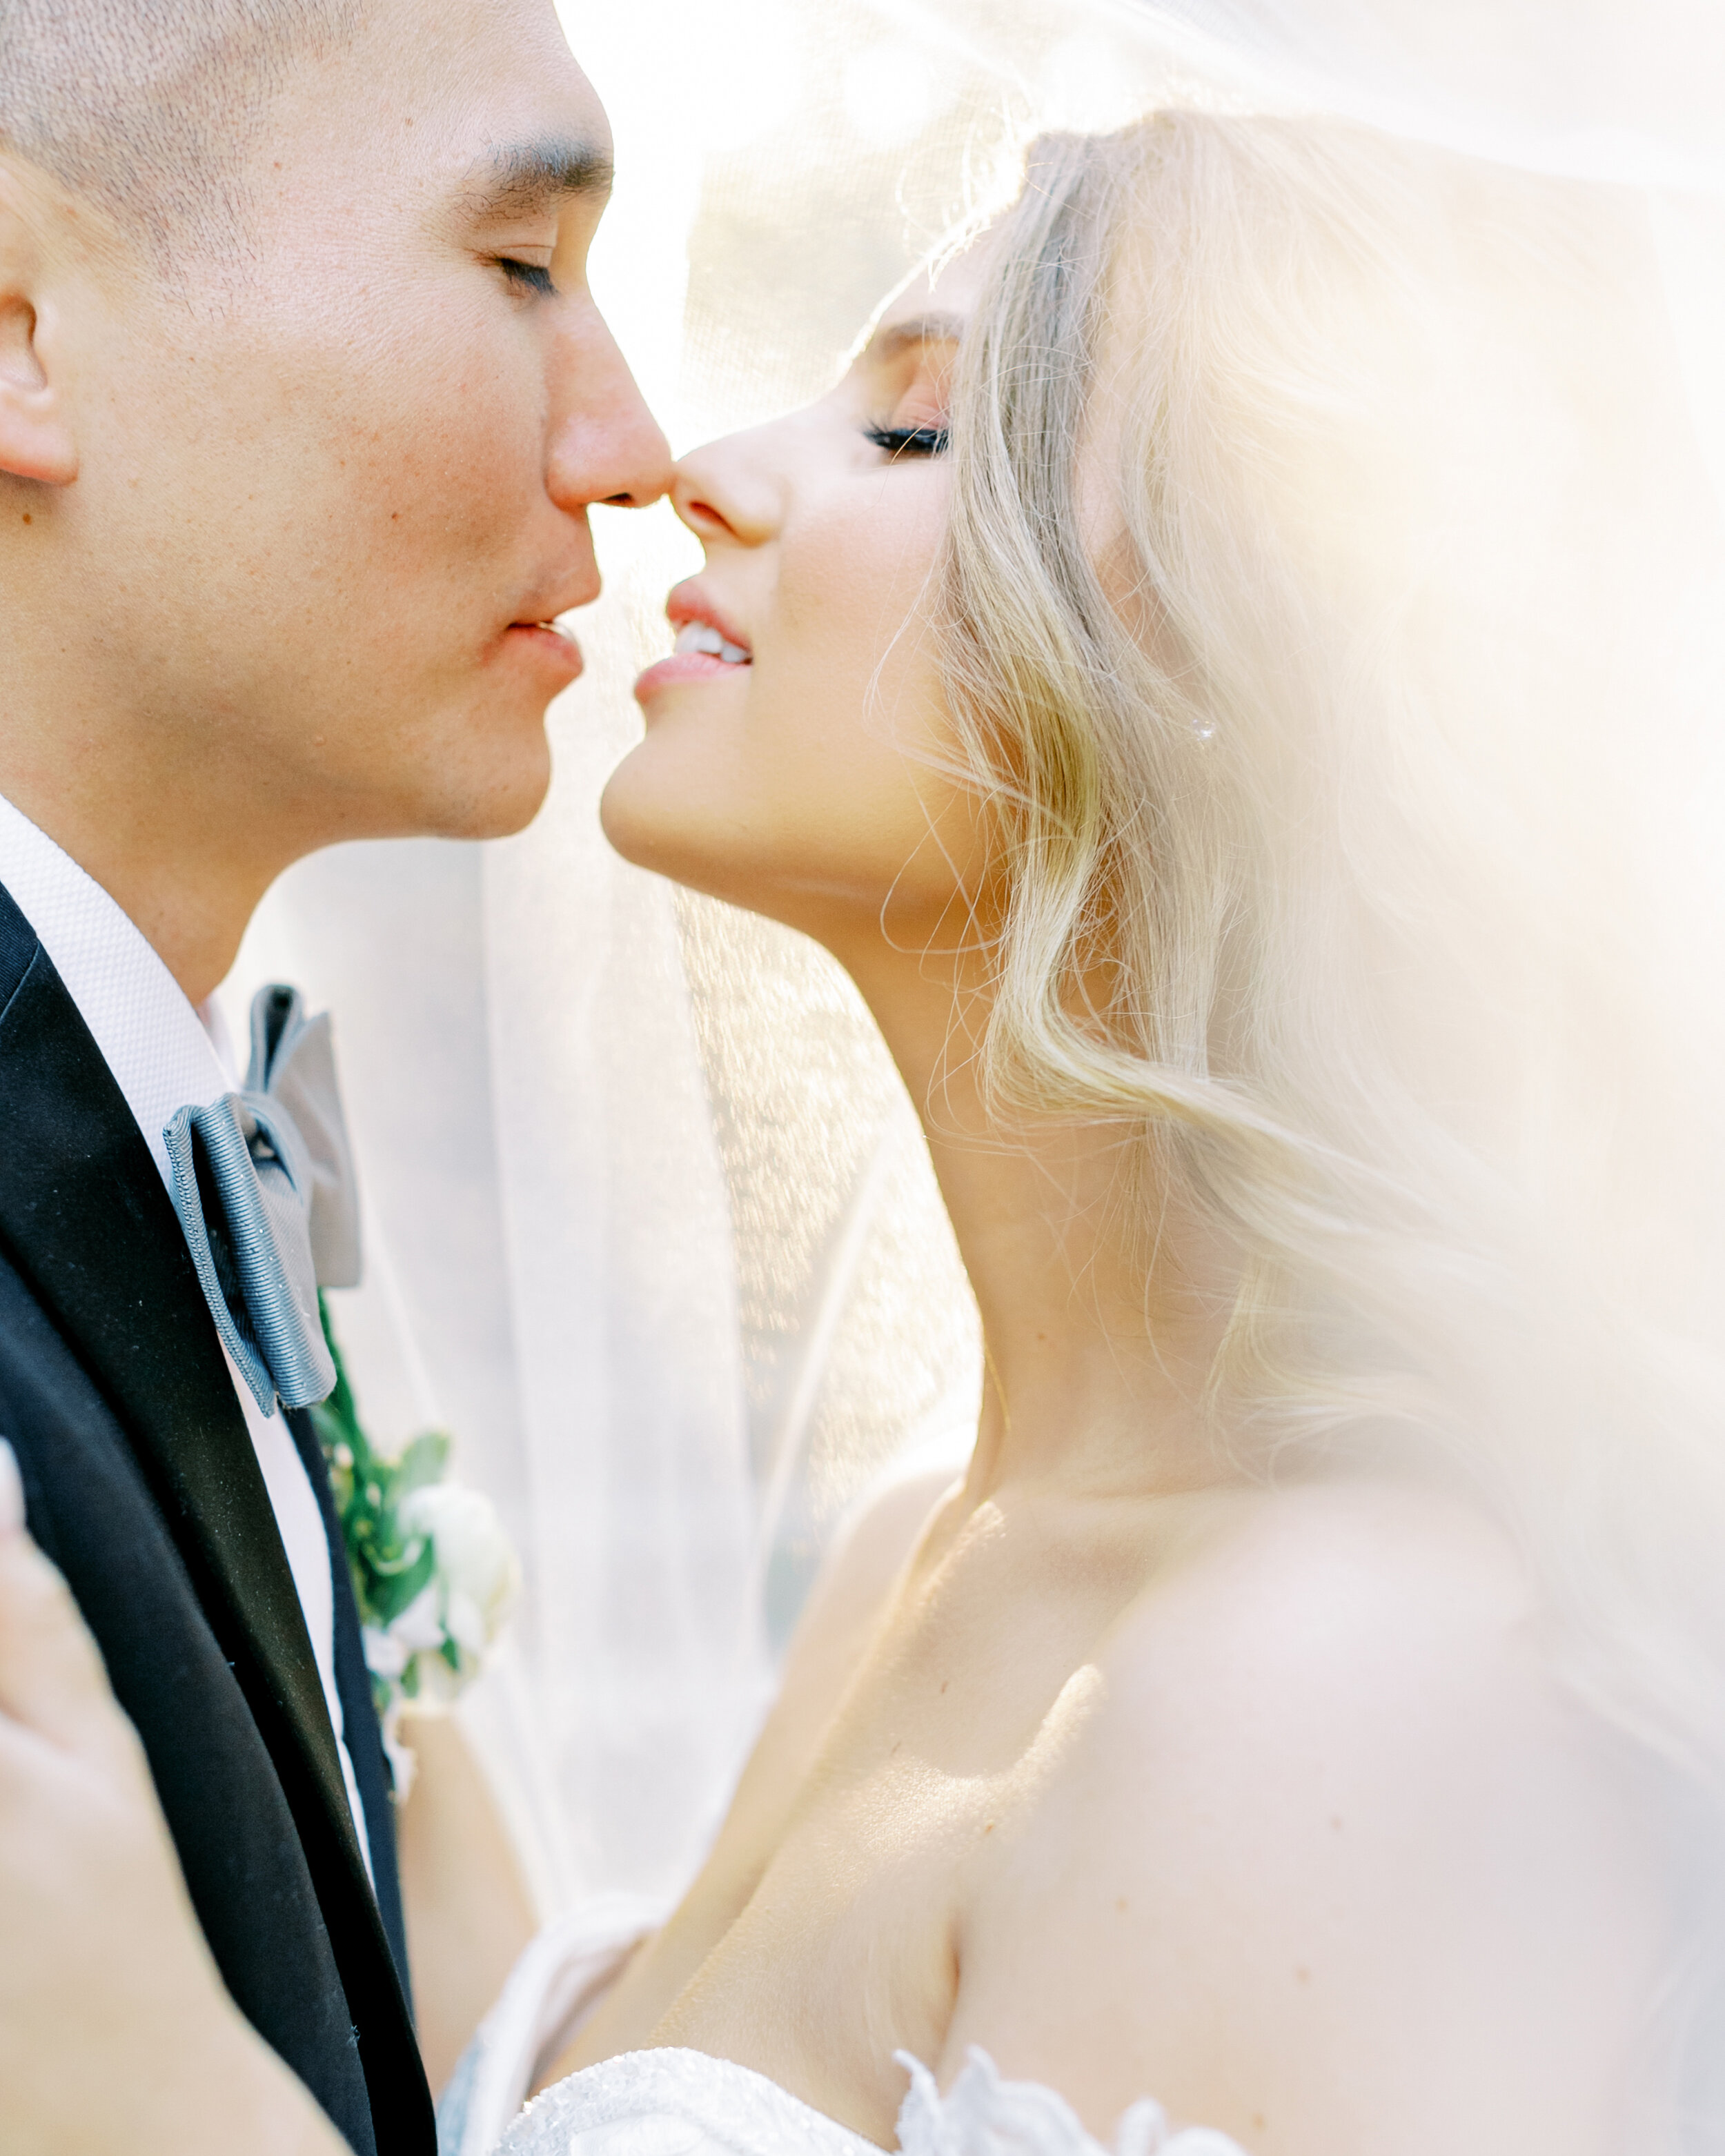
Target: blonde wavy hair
x: 1325, y: 615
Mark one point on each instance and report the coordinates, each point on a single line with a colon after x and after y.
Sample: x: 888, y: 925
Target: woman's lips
x: 682, y: 668
x: 705, y: 650
x: 691, y: 606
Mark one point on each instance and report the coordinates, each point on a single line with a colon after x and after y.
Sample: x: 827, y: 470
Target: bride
x: 1176, y: 673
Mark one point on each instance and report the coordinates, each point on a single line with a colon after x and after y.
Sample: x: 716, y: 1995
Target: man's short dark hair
x: 153, y: 107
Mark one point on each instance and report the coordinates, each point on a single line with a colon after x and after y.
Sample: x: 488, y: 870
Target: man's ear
x: 36, y: 436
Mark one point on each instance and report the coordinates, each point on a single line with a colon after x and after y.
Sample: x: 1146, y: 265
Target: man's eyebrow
x: 892, y: 338
x: 517, y: 176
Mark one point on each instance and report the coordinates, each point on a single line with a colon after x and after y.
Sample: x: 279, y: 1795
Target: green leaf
x: 423, y: 1461
x: 391, y: 1592
x: 336, y: 1419
x: 390, y: 1567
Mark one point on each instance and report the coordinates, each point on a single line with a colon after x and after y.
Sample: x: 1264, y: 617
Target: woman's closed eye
x: 908, y: 441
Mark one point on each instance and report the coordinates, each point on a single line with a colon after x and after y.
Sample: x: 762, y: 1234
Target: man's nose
x: 605, y: 445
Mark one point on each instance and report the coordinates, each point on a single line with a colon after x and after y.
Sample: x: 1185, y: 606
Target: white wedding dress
x: 675, y: 2103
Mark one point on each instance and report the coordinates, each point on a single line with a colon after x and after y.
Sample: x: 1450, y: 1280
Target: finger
x: 52, y: 1678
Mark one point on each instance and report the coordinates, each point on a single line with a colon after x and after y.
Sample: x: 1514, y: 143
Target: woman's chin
x: 641, y: 825
x: 775, y: 854
x: 680, y: 840
x: 698, y: 848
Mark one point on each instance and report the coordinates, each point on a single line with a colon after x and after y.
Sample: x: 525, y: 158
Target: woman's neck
x: 1097, y: 1339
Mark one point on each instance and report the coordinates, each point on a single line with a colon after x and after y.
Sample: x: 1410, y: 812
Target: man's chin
x: 500, y: 820
x: 498, y: 808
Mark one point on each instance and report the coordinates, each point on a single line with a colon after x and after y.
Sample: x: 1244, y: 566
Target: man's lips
x: 540, y: 628
x: 551, y: 644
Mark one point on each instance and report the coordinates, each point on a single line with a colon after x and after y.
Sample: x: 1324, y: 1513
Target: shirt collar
x: 162, y: 1057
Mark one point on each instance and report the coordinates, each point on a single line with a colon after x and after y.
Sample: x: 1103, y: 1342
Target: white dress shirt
x: 165, y: 1057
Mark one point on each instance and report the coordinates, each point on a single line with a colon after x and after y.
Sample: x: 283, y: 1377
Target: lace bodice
x: 684, y: 2103
x: 671, y: 2103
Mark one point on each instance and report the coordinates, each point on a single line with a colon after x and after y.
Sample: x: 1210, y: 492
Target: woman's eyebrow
x: 892, y: 338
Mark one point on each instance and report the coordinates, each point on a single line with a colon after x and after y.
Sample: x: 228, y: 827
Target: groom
x: 303, y: 402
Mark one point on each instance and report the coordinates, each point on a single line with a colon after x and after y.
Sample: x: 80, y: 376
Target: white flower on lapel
x: 478, y: 1576
x: 430, y: 1651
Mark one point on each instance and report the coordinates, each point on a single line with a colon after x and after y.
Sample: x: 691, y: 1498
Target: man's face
x: 327, y: 486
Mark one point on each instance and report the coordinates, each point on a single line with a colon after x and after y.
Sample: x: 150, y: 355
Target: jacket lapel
x: 90, y: 1226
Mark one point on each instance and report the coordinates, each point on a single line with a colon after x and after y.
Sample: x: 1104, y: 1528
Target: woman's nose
x: 729, y: 488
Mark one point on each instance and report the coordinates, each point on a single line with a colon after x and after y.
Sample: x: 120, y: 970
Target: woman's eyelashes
x: 907, y: 441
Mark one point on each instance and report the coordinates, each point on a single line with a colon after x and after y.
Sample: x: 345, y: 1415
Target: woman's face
x: 785, y: 766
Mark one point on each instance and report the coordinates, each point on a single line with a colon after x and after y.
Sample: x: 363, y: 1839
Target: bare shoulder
x: 851, y: 1592
x: 1319, y: 1597
x: 1319, y: 1791
x: 834, y: 1635
x: 870, y: 1551
x: 1371, y: 1652
x: 841, y: 1619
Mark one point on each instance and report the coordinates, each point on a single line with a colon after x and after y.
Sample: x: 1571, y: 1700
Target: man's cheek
x: 421, y: 491
x: 476, y: 496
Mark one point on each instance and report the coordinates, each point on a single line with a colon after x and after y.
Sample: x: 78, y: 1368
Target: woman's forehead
x: 932, y: 308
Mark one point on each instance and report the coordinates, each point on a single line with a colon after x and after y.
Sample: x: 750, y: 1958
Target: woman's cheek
x: 855, y: 579
x: 854, y: 710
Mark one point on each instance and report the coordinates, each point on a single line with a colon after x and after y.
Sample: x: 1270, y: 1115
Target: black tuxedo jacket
x: 141, y: 1484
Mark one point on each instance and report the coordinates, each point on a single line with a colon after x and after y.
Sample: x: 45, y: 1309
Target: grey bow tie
x: 263, y: 1182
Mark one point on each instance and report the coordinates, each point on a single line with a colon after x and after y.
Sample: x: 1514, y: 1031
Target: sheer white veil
x: 650, y: 1227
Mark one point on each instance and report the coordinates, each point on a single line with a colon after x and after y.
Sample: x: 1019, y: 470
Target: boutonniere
x: 434, y: 1575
